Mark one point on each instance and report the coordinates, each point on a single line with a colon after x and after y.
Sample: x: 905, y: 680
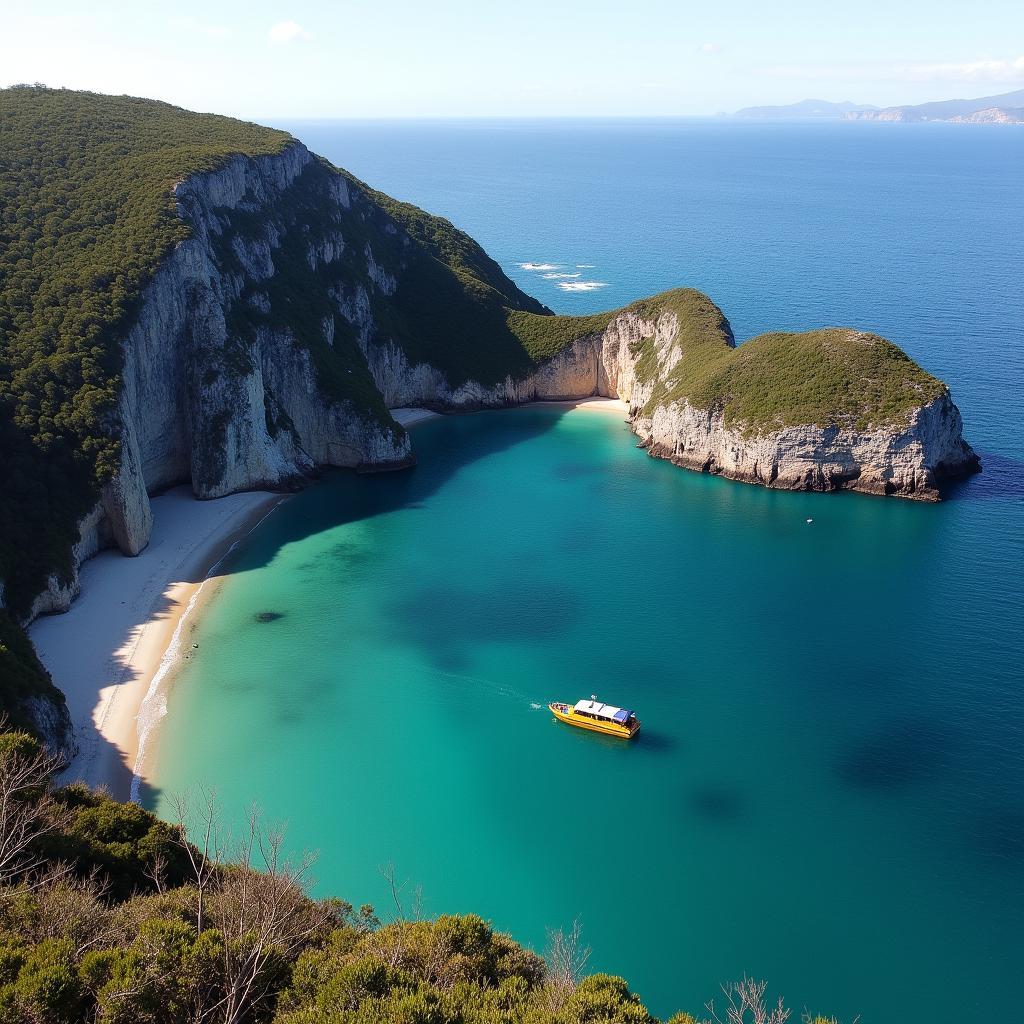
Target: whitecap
x: 584, y: 266
x: 555, y: 277
x: 536, y: 707
x: 540, y: 266
x: 581, y: 286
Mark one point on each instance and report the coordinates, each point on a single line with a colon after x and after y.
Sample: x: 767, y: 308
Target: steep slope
x: 940, y: 110
x: 186, y: 298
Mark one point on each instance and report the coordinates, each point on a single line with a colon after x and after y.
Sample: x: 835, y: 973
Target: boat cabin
x: 604, y: 712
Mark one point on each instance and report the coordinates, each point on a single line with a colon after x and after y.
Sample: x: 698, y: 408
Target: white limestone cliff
x: 908, y: 460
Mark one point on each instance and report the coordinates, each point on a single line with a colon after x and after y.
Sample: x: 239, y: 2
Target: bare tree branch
x: 28, y: 812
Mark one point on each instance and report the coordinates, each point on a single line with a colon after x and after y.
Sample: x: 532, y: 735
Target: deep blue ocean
x: 828, y: 791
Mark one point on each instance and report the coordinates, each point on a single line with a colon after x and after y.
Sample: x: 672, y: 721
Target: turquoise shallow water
x: 827, y: 788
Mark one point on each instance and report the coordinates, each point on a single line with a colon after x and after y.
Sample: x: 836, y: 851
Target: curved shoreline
x: 106, y: 650
x: 153, y: 706
x: 113, y: 652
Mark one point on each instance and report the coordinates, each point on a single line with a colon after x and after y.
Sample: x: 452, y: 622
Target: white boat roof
x: 595, y: 707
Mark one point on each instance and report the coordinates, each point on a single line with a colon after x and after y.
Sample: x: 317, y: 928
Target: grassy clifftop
x: 833, y: 376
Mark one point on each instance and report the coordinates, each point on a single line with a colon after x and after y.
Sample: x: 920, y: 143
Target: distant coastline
x: 1004, y: 108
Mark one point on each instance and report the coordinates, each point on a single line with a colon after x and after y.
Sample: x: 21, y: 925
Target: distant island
x: 805, y: 108
x: 1006, y: 108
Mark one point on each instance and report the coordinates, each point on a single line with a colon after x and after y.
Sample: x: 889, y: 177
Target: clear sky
x: 263, y: 59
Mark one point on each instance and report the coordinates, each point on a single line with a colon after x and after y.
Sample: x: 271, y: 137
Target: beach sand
x: 594, y: 404
x: 409, y: 417
x: 107, y: 653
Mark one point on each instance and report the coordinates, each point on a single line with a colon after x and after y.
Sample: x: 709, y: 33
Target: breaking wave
x: 581, y: 286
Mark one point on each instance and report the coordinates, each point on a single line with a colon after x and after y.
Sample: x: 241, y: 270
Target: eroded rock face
x: 908, y: 462
x: 199, y: 401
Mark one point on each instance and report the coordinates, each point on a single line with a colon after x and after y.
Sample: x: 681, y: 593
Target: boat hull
x: 565, y: 714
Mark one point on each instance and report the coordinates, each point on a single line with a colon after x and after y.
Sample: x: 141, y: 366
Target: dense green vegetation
x: 22, y: 676
x: 451, y: 306
x: 109, y: 916
x: 829, y: 377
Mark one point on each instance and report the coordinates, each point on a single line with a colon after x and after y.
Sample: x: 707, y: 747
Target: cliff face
x: 908, y: 460
x: 216, y: 403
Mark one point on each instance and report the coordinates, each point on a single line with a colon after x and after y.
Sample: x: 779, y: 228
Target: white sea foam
x: 585, y: 266
x: 555, y: 277
x: 581, y: 286
x: 536, y: 707
x: 540, y: 266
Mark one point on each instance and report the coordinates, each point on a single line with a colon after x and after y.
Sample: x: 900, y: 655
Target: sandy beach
x: 594, y: 404
x: 110, y: 652
x: 410, y: 416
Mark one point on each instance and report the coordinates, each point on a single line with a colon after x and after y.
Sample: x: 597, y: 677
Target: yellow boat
x: 592, y: 714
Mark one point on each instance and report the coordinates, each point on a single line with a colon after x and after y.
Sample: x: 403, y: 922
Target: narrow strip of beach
x: 111, y: 651
x: 409, y: 417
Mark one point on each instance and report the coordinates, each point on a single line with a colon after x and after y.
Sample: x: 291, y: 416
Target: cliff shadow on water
x: 1003, y: 478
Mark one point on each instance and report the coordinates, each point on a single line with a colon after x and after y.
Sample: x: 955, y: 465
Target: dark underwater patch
x: 268, y: 616
x: 716, y: 803
x: 448, y: 621
x: 901, y: 754
x: 998, y: 834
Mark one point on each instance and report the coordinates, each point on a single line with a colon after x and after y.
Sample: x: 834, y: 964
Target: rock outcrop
x: 908, y: 459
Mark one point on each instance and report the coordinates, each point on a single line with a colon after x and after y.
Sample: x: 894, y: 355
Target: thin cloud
x: 971, y: 71
x: 288, y: 32
x: 987, y: 69
x: 709, y: 48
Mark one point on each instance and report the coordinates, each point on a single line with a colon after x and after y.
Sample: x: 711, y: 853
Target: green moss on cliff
x: 827, y: 377
x: 22, y: 676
